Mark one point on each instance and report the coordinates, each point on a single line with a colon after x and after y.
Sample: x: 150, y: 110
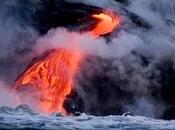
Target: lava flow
x: 107, y: 23
x: 50, y: 80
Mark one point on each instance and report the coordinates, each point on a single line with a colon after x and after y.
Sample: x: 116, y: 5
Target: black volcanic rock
x: 74, y: 103
x: 46, y: 14
x: 122, y: 1
x: 169, y: 114
x: 54, y: 13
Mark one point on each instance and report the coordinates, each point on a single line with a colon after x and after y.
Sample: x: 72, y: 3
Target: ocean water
x: 22, y: 117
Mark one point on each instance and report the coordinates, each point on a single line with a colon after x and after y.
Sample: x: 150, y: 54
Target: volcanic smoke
x: 51, y: 79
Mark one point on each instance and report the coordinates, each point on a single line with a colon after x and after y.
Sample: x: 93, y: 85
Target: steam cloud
x: 7, y: 97
x: 131, y: 61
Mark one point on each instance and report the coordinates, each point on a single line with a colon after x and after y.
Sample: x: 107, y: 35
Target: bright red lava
x: 52, y: 78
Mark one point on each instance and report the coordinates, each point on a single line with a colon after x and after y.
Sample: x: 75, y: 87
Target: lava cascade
x: 52, y: 78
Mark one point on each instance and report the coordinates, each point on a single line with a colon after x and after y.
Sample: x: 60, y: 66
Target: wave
x: 22, y: 117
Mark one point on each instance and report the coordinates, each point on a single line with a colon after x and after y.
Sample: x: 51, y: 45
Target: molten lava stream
x: 106, y: 24
x: 50, y: 80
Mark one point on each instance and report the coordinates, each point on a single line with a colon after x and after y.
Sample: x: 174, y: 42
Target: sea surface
x: 22, y: 117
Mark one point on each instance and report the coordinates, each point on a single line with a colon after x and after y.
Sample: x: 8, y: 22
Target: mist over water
x: 141, y: 52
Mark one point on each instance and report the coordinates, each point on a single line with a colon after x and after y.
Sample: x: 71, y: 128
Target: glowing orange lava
x: 107, y: 23
x: 51, y: 78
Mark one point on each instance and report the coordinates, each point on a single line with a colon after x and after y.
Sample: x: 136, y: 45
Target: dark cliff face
x: 105, y: 89
x: 53, y: 14
x: 46, y: 14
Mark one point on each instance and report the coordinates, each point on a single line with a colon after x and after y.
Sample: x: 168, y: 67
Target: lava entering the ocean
x: 50, y: 80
